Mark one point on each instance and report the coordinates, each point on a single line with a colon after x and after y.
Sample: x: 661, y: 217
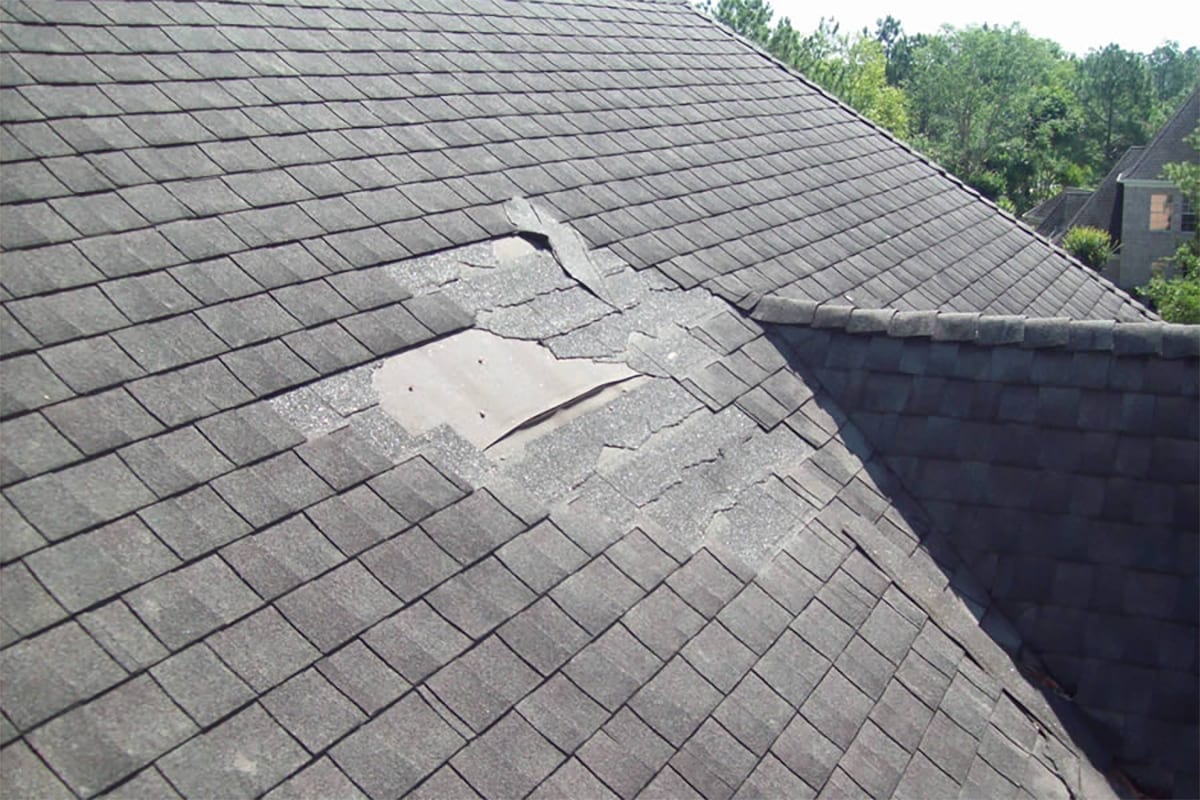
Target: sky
x: 1077, y: 27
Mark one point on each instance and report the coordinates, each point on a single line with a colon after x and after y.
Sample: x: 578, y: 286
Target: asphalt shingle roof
x: 227, y: 571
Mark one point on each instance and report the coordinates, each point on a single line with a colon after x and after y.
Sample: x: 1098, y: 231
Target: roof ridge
x: 1166, y: 129
x: 1104, y: 283
x: 1163, y: 339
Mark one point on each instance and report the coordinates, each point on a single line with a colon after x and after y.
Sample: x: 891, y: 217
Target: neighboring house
x: 1144, y: 213
x: 484, y: 399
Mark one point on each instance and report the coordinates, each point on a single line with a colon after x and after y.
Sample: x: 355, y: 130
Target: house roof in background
x: 1168, y: 146
x: 1101, y: 209
x: 228, y: 571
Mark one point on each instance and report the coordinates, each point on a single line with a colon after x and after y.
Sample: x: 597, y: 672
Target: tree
x: 750, y: 18
x: 1173, y: 75
x: 1114, y: 87
x: 990, y: 102
x: 1092, y: 246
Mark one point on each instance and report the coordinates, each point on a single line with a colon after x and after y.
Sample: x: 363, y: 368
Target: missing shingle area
x: 486, y: 386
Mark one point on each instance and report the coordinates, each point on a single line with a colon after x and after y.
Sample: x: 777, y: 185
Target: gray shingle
x: 86, y: 494
x: 625, y: 754
x: 52, y: 671
x: 370, y: 759
x: 675, y: 701
x: 32, y: 447
x: 562, y: 713
x: 571, y: 780
x: 175, y: 461
x: 194, y: 523
x: 714, y: 762
x: 281, y: 557
x: 109, y: 738
x: 103, y: 563
x: 544, y: 636
x: 268, y: 368
x: 772, y: 779
x: 922, y: 779
x: 836, y: 708
x: 263, y: 649
x: 338, y: 605
x: 271, y: 489
x: 312, y: 710
x: 480, y: 598
x: 473, y: 527
x: 612, y: 667
x: 596, y: 595
x: 362, y: 676
x: 190, y: 393
x: 509, y: 760
x: 123, y: 636
x: 68, y: 315
x: 184, y: 605
x: 214, y: 763
x: 948, y: 746
x: 807, y: 752
x: 30, y: 384
x: 663, y: 622
x: 718, y: 656
x: 125, y: 420
x: 416, y: 642
x: 25, y: 607
x: 202, y: 686
x: 318, y: 780
x: 415, y: 489
x: 541, y: 556
x: 704, y: 583
x: 26, y: 775
x: 249, y: 433
x: 755, y: 618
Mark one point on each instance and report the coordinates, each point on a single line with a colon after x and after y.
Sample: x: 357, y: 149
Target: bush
x: 1178, y: 299
x: 1090, y: 245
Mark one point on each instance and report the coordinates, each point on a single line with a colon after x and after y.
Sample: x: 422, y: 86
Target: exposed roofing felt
x: 227, y: 571
x: 1169, y: 145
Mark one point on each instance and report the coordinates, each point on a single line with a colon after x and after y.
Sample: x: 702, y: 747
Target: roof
x: 1050, y: 216
x: 1103, y: 209
x: 1169, y: 145
x: 715, y: 561
x: 671, y: 141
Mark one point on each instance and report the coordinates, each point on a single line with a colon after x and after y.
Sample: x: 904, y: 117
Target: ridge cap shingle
x: 1155, y: 337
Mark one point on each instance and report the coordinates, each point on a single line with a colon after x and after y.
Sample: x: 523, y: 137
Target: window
x: 1187, y: 217
x: 1160, y: 211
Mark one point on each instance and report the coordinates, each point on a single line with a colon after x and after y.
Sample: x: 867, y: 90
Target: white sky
x: 1078, y: 27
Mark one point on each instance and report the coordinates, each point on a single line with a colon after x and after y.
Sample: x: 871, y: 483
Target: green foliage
x: 1092, y: 246
x: 1178, y: 298
x: 1186, y: 174
x: 1014, y: 115
x: 1115, y: 89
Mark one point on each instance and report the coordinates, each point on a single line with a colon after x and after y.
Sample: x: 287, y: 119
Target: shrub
x: 1090, y: 245
x: 1178, y: 298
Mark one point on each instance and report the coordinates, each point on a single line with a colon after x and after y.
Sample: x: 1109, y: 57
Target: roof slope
x: 705, y: 585
x: 206, y: 132
x: 1102, y: 209
x: 227, y: 571
x: 1168, y: 145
